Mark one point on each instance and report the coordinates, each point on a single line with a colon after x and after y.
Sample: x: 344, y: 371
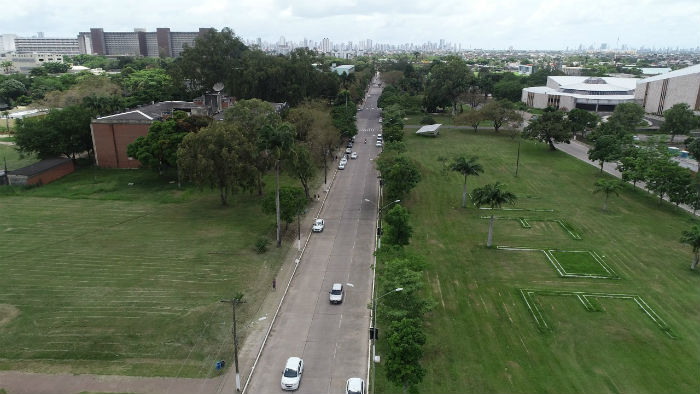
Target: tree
x: 550, y: 127
x: 406, y: 340
x: 7, y: 66
x: 508, y: 89
x: 211, y: 158
x: 607, y: 186
x: 11, y: 89
x: 399, y: 173
x: 679, y: 119
x: 472, y: 118
x: 661, y: 173
x: 628, y: 115
x: 275, y: 141
x: 582, y: 120
x: 398, y: 231
x: 501, y: 112
x: 56, y: 67
x: 466, y: 167
x: 61, y: 132
x: 447, y: 82
x: 609, y: 141
x: 692, y: 238
x: 215, y: 57
x: 301, y: 165
x: 292, y: 202
x: 493, y: 196
x: 250, y: 116
x: 150, y: 85
x: 158, y: 148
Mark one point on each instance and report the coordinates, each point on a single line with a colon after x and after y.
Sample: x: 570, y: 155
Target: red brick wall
x: 110, y: 142
x: 52, y: 174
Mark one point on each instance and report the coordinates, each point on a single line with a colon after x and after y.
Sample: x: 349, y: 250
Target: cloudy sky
x: 488, y: 24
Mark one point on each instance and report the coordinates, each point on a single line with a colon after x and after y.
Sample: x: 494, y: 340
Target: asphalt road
x: 331, y: 339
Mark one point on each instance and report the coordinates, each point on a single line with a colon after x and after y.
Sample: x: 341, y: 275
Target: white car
x: 336, y: 293
x: 341, y: 165
x: 353, y: 155
x: 355, y: 386
x: 379, y: 144
x: 379, y: 136
x: 318, y: 226
x: 291, y: 376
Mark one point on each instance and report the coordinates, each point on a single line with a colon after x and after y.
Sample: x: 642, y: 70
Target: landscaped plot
x: 573, y: 263
x: 527, y: 223
x: 591, y: 302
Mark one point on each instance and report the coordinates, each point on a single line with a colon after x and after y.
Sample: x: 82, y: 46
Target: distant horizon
x: 496, y: 25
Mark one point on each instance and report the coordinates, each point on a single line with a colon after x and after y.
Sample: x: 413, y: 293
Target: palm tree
x: 493, y: 196
x: 276, y: 140
x: 607, y: 186
x: 466, y: 167
x: 692, y: 237
x: 6, y: 114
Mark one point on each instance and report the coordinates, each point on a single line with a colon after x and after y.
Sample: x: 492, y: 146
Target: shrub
x: 261, y: 245
x: 427, y: 119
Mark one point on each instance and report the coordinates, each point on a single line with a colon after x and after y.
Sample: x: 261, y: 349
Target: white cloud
x: 476, y: 23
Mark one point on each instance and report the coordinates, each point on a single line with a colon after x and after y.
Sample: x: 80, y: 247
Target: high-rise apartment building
x: 60, y: 46
x: 162, y: 42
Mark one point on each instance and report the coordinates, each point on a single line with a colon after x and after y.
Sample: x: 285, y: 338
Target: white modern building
x: 661, y: 92
x: 60, y: 46
x: 24, y: 62
x: 7, y: 42
x: 589, y: 93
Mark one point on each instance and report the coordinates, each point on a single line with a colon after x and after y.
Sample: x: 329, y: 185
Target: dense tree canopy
x: 61, y: 132
x: 550, y: 127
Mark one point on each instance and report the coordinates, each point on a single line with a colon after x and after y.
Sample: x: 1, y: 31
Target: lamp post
x: 374, y: 328
x: 238, y: 299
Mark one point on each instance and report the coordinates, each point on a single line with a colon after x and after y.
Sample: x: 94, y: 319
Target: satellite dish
x: 219, y: 86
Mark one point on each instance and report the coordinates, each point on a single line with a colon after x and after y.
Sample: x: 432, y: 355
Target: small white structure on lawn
x: 431, y: 130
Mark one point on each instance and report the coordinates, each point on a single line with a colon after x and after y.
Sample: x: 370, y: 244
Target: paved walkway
x: 579, y: 150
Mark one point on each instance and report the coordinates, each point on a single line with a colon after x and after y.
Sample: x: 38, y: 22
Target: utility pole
x: 238, y: 299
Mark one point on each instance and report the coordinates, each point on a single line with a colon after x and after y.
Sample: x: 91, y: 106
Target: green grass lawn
x: 14, y: 160
x: 481, y: 335
x: 100, y: 276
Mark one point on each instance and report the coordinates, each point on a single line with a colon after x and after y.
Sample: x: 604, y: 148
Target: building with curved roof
x: 589, y: 93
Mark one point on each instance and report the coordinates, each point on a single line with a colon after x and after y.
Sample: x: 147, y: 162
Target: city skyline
x: 496, y: 24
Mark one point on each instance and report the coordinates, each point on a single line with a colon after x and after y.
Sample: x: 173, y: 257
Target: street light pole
x: 238, y: 299
x: 374, y: 329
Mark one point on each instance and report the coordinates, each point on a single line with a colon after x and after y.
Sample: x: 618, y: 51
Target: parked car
x: 353, y: 155
x: 291, y: 376
x: 379, y: 136
x: 379, y: 144
x: 318, y: 226
x: 349, y: 145
x: 341, y: 165
x: 348, y: 150
x: 336, y: 293
x: 355, y: 386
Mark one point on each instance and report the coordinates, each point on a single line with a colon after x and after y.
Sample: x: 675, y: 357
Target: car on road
x: 341, y: 165
x: 348, y: 150
x: 349, y: 145
x: 318, y: 226
x: 355, y: 386
x: 379, y: 137
x: 336, y: 293
x: 379, y: 144
x: 353, y: 155
x: 291, y: 376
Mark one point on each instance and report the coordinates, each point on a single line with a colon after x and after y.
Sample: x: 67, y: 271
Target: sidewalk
x: 579, y: 150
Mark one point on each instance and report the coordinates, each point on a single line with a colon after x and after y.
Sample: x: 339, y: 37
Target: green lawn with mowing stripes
x: 100, y: 276
x: 482, y: 337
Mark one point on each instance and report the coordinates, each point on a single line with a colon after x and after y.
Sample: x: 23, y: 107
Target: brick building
x: 41, y: 173
x: 111, y: 135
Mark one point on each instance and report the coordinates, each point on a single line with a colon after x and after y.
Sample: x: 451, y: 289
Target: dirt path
x: 16, y: 382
